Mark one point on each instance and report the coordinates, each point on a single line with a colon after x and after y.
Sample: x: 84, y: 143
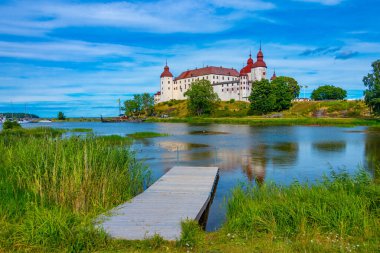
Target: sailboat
x: 25, y: 119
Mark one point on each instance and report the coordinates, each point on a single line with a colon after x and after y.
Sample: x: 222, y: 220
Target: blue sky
x: 79, y: 57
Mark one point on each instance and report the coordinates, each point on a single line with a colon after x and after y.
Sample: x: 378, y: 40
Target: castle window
x: 227, y: 89
x: 213, y: 77
x: 228, y: 79
x: 168, y: 82
x: 222, y: 77
x: 222, y: 85
x: 162, y: 82
x: 222, y: 90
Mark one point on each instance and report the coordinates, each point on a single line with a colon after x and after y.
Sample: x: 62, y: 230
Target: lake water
x: 247, y: 154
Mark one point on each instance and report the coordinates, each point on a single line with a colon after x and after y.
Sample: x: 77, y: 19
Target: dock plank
x: 182, y: 193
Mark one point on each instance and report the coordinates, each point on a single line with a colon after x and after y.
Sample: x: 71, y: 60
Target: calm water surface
x: 247, y: 154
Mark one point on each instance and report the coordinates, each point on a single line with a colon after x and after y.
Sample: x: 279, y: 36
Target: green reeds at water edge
x: 52, y: 188
x: 341, y: 213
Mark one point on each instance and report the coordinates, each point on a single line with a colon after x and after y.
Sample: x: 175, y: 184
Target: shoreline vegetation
x: 315, y: 113
x: 53, y: 188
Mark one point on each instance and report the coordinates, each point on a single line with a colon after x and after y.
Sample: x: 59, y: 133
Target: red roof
x: 166, y: 72
x: 274, y: 76
x: 158, y: 93
x: 260, y: 60
x: 207, y: 71
x: 247, y: 69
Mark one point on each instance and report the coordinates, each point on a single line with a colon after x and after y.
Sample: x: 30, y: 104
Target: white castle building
x: 228, y: 83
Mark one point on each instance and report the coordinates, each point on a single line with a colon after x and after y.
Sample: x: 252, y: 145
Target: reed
x: 52, y: 188
x: 339, y: 210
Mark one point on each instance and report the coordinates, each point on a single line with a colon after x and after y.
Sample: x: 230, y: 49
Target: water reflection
x: 205, y: 132
x: 330, y: 146
x: 372, y: 152
x: 179, y: 146
x: 247, y: 153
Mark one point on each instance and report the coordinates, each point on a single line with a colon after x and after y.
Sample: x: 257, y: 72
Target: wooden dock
x: 182, y: 193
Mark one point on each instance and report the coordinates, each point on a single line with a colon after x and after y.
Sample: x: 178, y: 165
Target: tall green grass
x: 342, y: 208
x: 52, y: 188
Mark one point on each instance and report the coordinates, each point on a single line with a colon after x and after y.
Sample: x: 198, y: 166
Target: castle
x: 228, y: 83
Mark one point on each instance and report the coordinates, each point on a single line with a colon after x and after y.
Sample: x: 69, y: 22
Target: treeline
x: 141, y: 104
x: 18, y: 115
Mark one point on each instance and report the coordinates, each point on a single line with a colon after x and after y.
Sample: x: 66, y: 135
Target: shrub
x: 11, y: 125
x: 328, y: 92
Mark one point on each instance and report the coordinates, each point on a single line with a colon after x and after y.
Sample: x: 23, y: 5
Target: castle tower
x: 259, y: 69
x: 274, y: 76
x: 166, y: 84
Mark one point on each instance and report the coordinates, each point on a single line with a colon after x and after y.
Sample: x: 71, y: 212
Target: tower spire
x: 166, y: 62
x: 260, y: 44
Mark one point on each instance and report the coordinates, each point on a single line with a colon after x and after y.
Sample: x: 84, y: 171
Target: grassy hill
x: 312, y: 109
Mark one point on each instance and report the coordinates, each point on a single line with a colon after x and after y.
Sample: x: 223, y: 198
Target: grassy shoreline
x: 261, y: 121
x: 53, y: 188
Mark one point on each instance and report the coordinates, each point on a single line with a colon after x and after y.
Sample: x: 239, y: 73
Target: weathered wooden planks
x: 182, y: 193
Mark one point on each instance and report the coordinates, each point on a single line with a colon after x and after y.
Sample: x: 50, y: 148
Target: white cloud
x: 63, y: 50
x: 165, y: 16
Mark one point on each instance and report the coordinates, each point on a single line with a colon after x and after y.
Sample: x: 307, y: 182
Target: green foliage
x: 141, y: 103
x: 290, y: 83
x: 11, y: 125
x: 61, y: 116
x: 18, y: 115
x: 52, y: 189
x: 192, y: 234
x: 131, y: 107
x: 342, y: 205
x: 232, y: 101
x: 372, y: 94
x: 201, y: 98
x: 273, y: 96
x: 328, y: 92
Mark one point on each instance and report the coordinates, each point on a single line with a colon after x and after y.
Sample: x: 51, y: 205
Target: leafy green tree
x: 201, y: 98
x: 131, y: 107
x: 61, y: 116
x: 147, y: 103
x: 372, y: 94
x: 290, y: 83
x: 138, y: 98
x: 286, y: 89
x: 11, y: 125
x: 273, y: 96
x: 263, y: 97
x: 328, y: 92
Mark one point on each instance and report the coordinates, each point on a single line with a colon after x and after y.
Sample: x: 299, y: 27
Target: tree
x: 273, y: 96
x: 139, y: 104
x: 286, y: 89
x: 201, y: 98
x: 372, y: 94
x: 130, y: 107
x: 147, y: 103
x: 61, y: 116
x: 291, y: 83
x: 263, y: 97
x: 328, y: 92
x: 11, y: 125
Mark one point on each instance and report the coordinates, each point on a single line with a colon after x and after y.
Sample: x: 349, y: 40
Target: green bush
x: 328, y: 92
x: 11, y: 125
